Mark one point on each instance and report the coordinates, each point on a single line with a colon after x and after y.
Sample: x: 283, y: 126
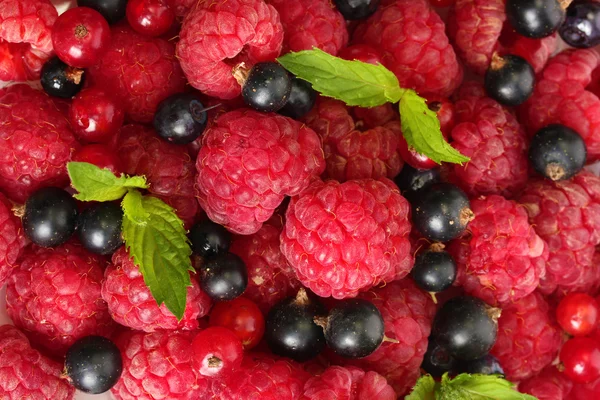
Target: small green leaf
x: 98, y: 184
x: 133, y: 208
x: 161, y: 250
x: 354, y: 82
x: 479, y: 387
x: 423, y: 390
x: 421, y: 129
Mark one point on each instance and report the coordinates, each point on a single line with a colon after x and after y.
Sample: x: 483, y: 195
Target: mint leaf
x: 354, y: 82
x: 133, y: 208
x: 97, y: 184
x: 421, y: 129
x: 479, y: 387
x: 161, y: 250
x: 423, y: 390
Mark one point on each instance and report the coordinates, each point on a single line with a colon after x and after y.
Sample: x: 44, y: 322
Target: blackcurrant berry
x: 487, y: 365
x: 557, y: 152
x: 93, y: 364
x: 509, y: 80
x: 112, y: 10
x: 301, y: 101
x: 581, y: 29
x: 442, y: 212
x: 99, y: 228
x: 267, y: 86
x: 437, y: 360
x: 60, y: 80
x: 536, y: 18
x: 209, y: 239
x: 180, y: 118
x: 410, y: 180
x: 50, y: 217
x: 434, y: 270
x: 356, y: 9
x: 224, y: 277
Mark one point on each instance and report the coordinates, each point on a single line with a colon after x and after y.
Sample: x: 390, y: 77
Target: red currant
x: 414, y: 159
x: 217, y: 352
x: 580, y: 357
x: 444, y: 109
x: 95, y: 115
x: 361, y: 52
x: 442, y: 3
x: 100, y: 155
x: 150, y: 17
x: 243, y: 317
x: 577, y: 314
x: 80, y: 37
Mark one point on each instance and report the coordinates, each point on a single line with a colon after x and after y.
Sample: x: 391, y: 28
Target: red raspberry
x: 342, y: 238
x: 54, y: 297
x: 528, y: 337
x: 26, y: 374
x: 372, y: 117
x: 412, y: 40
x: 142, y: 70
x: 249, y: 161
x: 311, y: 23
x: 218, y: 35
x: 502, y: 259
x: 131, y: 304
x: 25, y: 38
x: 12, y: 239
x: 549, y: 384
x: 36, y: 142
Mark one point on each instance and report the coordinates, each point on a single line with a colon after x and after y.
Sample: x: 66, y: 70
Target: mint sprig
x: 423, y: 390
x: 96, y: 184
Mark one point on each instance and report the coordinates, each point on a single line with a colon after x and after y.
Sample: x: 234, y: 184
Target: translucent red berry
x: 101, y: 156
x: 577, y: 314
x: 96, y: 115
x: 150, y: 17
x: 243, y: 317
x: 581, y: 359
x: 217, y: 352
x: 361, y: 52
x: 442, y: 3
x: 414, y: 159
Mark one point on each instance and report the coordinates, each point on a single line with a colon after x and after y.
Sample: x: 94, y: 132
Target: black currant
x: 60, y: 80
x: 180, y: 118
x: 509, y: 80
x: 290, y: 330
x: 437, y: 360
x: 466, y: 327
x: 581, y: 29
x: 50, y: 217
x: 536, y: 18
x: 112, y: 10
x: 487, y: 365
x: 411, y: 180
x: 224, y: 277
x: 434, y: 270
x: 441, y: 212
x: 356, y: 9
x: 267, y: 86
x: 99, y: 228
x: 301, y: 100
x: 93, y: 364
x: 557, y: 152
x: 209, y: 239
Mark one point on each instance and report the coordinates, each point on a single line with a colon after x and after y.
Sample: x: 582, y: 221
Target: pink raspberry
x: 348, y: 383
x: 54, y: 297
x: 36, y: 142
x: 528, y: 337
x: 311, y: 23
x: 12, y: 239
x: 26, y: 374
x: 249, y: 161
x: 370, y: 117
x: 411, y: 38
x: 217, y: 36
x: 131, y: 304
x: 549, y: 384
x: 139, y: 69
x: 25, y: 42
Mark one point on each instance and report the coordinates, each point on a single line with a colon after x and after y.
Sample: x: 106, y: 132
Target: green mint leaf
x: 479, y: 387
x: 421, y: 129
x: 354, y: 82
x: 424, y: 389
x: 97, y: 184
x: 133, y: 208
x: 161, y: 250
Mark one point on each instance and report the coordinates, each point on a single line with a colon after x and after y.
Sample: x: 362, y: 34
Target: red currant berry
x: 580, y: 357
x: 96, y: 115
x: 444, y: 109
x: 442, y: 3
x: 150, y: 17
x: 414, y: 159
x: 577, y: 314
x: 243, y: 317
x: 80, y: 37
x: 217, y: 352
x: 361, y: 52
x: 101, y: 156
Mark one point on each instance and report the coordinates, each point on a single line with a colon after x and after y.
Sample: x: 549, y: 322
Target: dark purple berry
x: 209, y: 239
x: 302, y: 99
x: 356, y: 9
x: 434, y: 270
x: 224, y: 277
x: 100, y: 227
x: 581, y: 28
x: 180, y: 118
x: 557, y: 152
x: 61, y: 80
x: 509, y: 80
x: 267, y: 87
x: 536, y: 18
x: 112, y: 10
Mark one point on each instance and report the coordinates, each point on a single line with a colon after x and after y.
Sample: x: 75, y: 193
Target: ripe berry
x: 581, y: 28
x: 150, y: 17
x: 442, y: 212
x: 434, y: 270
x: 413, y: 158
x: 224, y: 277
x: 101, y: 156
x: 301, y: 100
x: 93, y: 364
x: 557, y: 152
x: 243, y: 317
x: 267, y: 86
x: 487, y: 365
x: 437, y: 360
x: 509, y: 80
x: 217, y: 352
x: 96, y: 115
x: 290, y: 330
x: 60, y: 80
x: 112, y: 10
x: 100, y: 228
x: 356, y: 9
x: 180, y: 118
x: 50, y: 217
x: 580, y: 358
x: 80, y: 36
x: 411, y: 180
x: 209, y: 239
x: 361, y: 52
x: 442, y: 3
x: 536, y: 18
x: 577, y: 314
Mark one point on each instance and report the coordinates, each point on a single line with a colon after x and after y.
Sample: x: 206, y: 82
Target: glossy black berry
x: 410, y: 180
x: 301, y: 100
x: 354, y: 328
x: 209, y: 239
x: 466, y: 327
x: 93, y: 364
x: 536, y: 18
x: 224, y: 277
x: 487, y: 365
x: 180, y: 118
x: 112, y: 10
x: 557, y: 152
x: 356, y: 9
x: 290, y: 330
x: 509, y: 80
x: 99, y: 228
x: 60, y: 80
x: 50, y: 217
x: 441, y: 212
x: 581, y: 28
x: 267, y: 87
x: 434, y: 270
x: 437, y: 360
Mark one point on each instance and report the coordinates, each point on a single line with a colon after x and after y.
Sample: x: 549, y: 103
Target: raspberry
x: 411, y: 38
x: 549, y: 384
x: 216, y: 36
x: 502, y: 259
x: 25, y: 38
x: 528, y: 337
x: 311, y: 23
x: 348, y: 383
x: 248, y: 162
x: 142, y: 70
x: 54, y: 297
x: 12, y: 239
x: 25, y: 373
x: 131, y: 304
x: 36, y: 142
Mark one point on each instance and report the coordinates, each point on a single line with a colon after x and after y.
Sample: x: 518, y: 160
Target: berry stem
x: 389, y: 340
x: 240, y: 73
x: 302, y: 297
x: 565, y: 3
x: 433, y: 297
x: 214, y: 362
x: 19, y: 210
